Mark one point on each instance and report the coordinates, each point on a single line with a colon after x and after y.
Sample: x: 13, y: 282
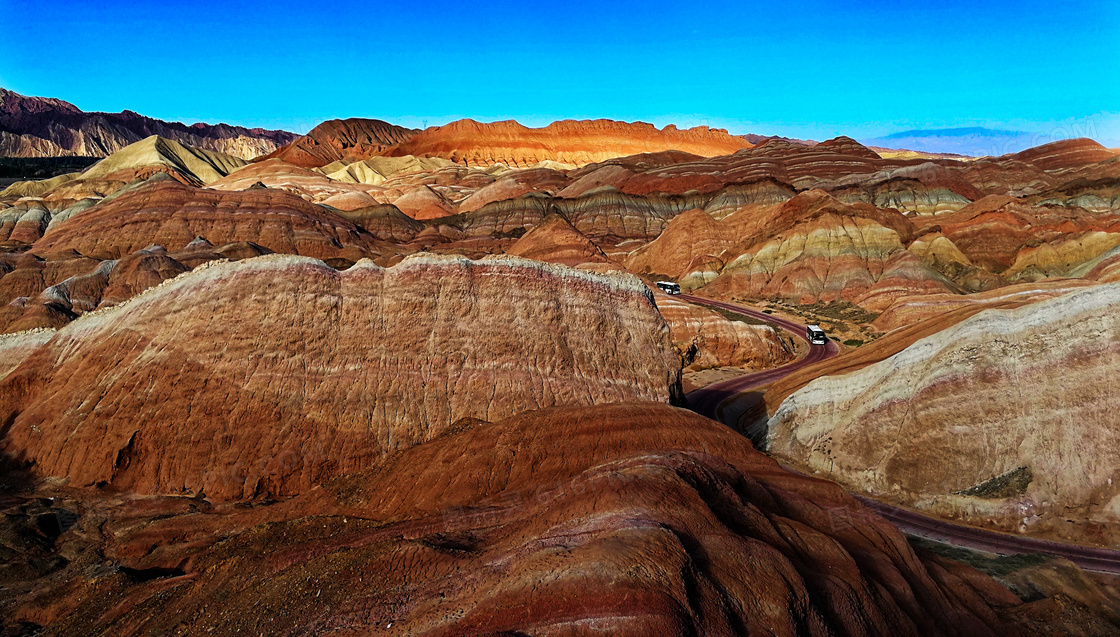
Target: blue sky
x: 803, y: 69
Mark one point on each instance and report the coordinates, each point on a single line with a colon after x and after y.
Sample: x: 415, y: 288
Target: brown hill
x: 814, y: 248
x: 171, y: 214
x: 1069, y: 153
x: 473, y: 143
x: 346, y: 140
x: 555, y: 240
x: 222, y: 378
x: 630, y: 520
x: 47, y: 127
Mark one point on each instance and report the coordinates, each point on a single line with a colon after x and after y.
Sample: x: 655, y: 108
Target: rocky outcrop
x: 1027, y: 451
x: 54, y: 295
x: 223, y: 378
x: 632, y: 520
x: 556, y: 241
x: 170, y: 214
x: 47, y: 127
x: 423, y: 203
x: 384, y: 221
x: 710, y: 340
x: 346, y: 140
x: 376, y: 170
x: 473, y: 143
x: 24, y: 222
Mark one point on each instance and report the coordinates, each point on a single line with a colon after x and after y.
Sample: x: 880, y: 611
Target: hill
x: 48, y: 127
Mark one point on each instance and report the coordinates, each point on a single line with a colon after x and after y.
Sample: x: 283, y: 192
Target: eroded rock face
x: 1041, y: 391
x: 228, y: 379
x: 631, y: 519
x: 689, y: 235
x: 710, y: 340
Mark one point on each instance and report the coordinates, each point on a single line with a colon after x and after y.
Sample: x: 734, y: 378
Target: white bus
x: 668, y: 287
x: 815, y: 335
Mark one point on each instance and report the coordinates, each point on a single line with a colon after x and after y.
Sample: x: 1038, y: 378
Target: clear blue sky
x: 804, y: 69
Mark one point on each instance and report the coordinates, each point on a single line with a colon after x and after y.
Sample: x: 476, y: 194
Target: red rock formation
x: 689, y: 235
x: 223, y: 378
x: 342, y: 140
x: 515, y: 184
x: 47, y: 127
x: 556, y: 241
x: 633, y: 519
x: 65, y: 296
x: 814, y: 248
x: 28, y: 274
x: 172, y: 215
x: 424, y: 203
x: 23, y: 223
x: 1069, y: 153
x: 473, y: 143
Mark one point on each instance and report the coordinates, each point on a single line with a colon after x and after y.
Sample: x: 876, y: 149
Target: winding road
x: 717, y: 401
x: 709, y: 400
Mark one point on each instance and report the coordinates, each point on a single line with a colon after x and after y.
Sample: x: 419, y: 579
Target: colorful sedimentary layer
x: 631, y: 519
x: 345, y: 140
x: 474, y: 143
x: 814, y: 248
x: 1027, y: 450
x: 708, y: 339
x: 171, y: 215
x: 214, y: 380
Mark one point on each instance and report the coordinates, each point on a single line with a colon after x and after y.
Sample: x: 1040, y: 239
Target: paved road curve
x: 708, y: 401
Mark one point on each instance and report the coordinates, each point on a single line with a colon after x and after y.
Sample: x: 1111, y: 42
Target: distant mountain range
x: 48, y: 127
x: 973, y: 141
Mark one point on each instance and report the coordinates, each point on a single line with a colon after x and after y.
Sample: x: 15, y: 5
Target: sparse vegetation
x: 515, y: 233
x: 735, y: 316
x: 853, y: 342
x: 994, y: 565
x: 841, y: 311
x: 1007, y: 485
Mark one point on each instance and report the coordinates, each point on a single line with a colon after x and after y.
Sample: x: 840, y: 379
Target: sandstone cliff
x: 710, y: 340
